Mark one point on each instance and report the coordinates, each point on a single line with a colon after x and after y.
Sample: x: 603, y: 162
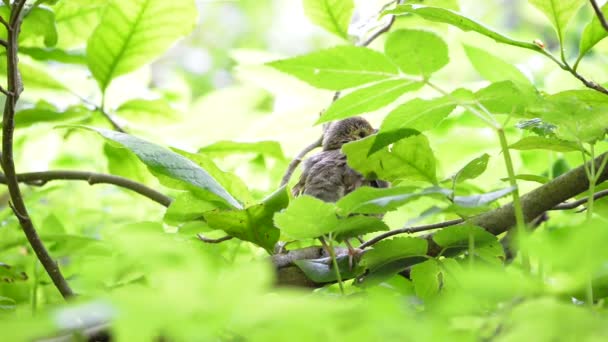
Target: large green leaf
x: 593, y: 33
x: 447, y: 16
x: 417, y: 52
x: 339, y: 68
x: 162, y: 161
x: 54, y: 54
x: 187, y: 207
x: 357, y: 225
x: 493, y: 68
x: 76, y: 20
x: 455, y: 240
x: 395, y: 249
x: 427, y: 278
x: 559, y: 12
x: 578, y: 114
x: 545, y: 143
x: 147, y: 110
x: 410, y: 158
x: 368, y: 99
x: 307, y: 217
x: 35, y: 77
x: 45, y: 114
x: 412, y: 117
x: 132, y: 33
x: 39, y: 26
x: 506, y: 97
x: 253, y: 224
x: 332, y: 15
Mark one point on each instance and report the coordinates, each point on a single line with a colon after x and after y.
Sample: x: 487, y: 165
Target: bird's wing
x: 325, y: 178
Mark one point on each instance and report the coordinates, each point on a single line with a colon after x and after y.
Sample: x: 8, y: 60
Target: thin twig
x: 599, y: 14
x: 15, y: 87
x: 410, y: 230
x: 111, y: 120
x: 298, y: 158
x: 4, y: 43
x: 5, y: 23
x: 572, y: 205
x: 587, y: 83
x: 219, y: 240
x: 4, y: 91
x: 41, y: 178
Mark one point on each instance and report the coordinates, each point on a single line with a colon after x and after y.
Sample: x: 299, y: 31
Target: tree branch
x: 572, y: 205
x: 8, y: 164
x: 599, y: 14
x: 409, y: 230
x: 218, y: 240
x: 41, y: 178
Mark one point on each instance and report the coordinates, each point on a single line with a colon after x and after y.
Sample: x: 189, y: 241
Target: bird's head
x: 341, y: 132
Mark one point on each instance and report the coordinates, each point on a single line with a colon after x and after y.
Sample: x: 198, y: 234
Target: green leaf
x: 253, y: 224
x: 368, y: 99
x: 357, y: 225
x: 472, y: 170
x: 506, y: 97
x: 187, y: 207
x: 529, y: 178
x: 41, y: 114
x: 40, y: 23
x: 494, y: 69
x: 593, y: 33
x: 332, y: 15
x: 164, y: 162
x: 559, y: 12
x: 54, y: 54
x: 145, y: 110
x: 76, y: 20
x: 339, y: 68
x: 483, y: 199
x: 7, y: 304
x: 392, y: 250
x: 140, y: 30
x: 410, y: 158
x: 367, y: 200
x: 410, y: 118
x: 545, y: 143
x: 456, y: 19
x: 427, y: 278
x: 417, y: 52
x: 307, y: 217
x: 224, y: 147
x: 455, y: 240
x: 578, y: 114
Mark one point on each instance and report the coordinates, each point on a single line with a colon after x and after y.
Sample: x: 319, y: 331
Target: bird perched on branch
x: 326, y: 175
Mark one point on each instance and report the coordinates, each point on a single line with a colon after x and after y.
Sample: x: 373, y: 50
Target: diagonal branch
x: 41, y: 178
x: 599, y: 14
x: 15, y: 87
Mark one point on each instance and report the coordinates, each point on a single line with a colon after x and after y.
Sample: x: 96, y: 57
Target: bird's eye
x: 362, y: 134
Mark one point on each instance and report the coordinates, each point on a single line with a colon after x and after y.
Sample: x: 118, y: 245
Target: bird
x: 326, y: 174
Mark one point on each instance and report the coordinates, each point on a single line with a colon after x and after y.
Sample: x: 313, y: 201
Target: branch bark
x: 41, y: 178
x: 599, y: 14
x: 15, y: 87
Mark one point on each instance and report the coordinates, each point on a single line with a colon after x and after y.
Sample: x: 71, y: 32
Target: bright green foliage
x: 368, y: 99
x: 142, y: 110
x: 254, y: 223
x: 223, y: 148
x: 417, y: 52
x: 394, y: 251
x: 544, y: 143
x: 368, y: 200
x: 408, y: 159
x: 593, y: 34
x: 339, y: 68
x: 47, y: 113
x: 493, y: 68
x: 307, y: 217
x: 76, y: 20
x: 332, y: 15
x: 454, y: 240
x: 559, y: 12
x: 140, y: 31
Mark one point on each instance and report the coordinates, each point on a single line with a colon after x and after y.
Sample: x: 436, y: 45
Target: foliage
x: 469, y: 120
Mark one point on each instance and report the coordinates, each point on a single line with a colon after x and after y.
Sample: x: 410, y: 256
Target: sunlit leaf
x: 76, y: 20
x: 162, y: 161
x: 307, y: 217
x: 493, y: 68
x: 357, y: 225
x: 253, y: 224
x: 559, y: 12
x: 146, y: 110
x: 447, y: 16
x: 395, y: 249
x: 543, y: 143
x: 593, y: 33
x: 37, y: 115
x: 368, y: 99
x: 455, y: 240
x: 417, y: 52
x: 187, y: 207
x: 222, y: 148
x: 140, y: 31
x: 427, y: 278
x: 472, y: 169
x: 339, y: 68
x: 410, y: 158
x: 54, y: 54
x: 332, y: 15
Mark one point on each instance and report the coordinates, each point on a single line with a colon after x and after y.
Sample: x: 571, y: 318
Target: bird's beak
x: 375, y: 131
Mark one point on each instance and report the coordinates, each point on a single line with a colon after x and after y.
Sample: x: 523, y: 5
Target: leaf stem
x: 330, y: 249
